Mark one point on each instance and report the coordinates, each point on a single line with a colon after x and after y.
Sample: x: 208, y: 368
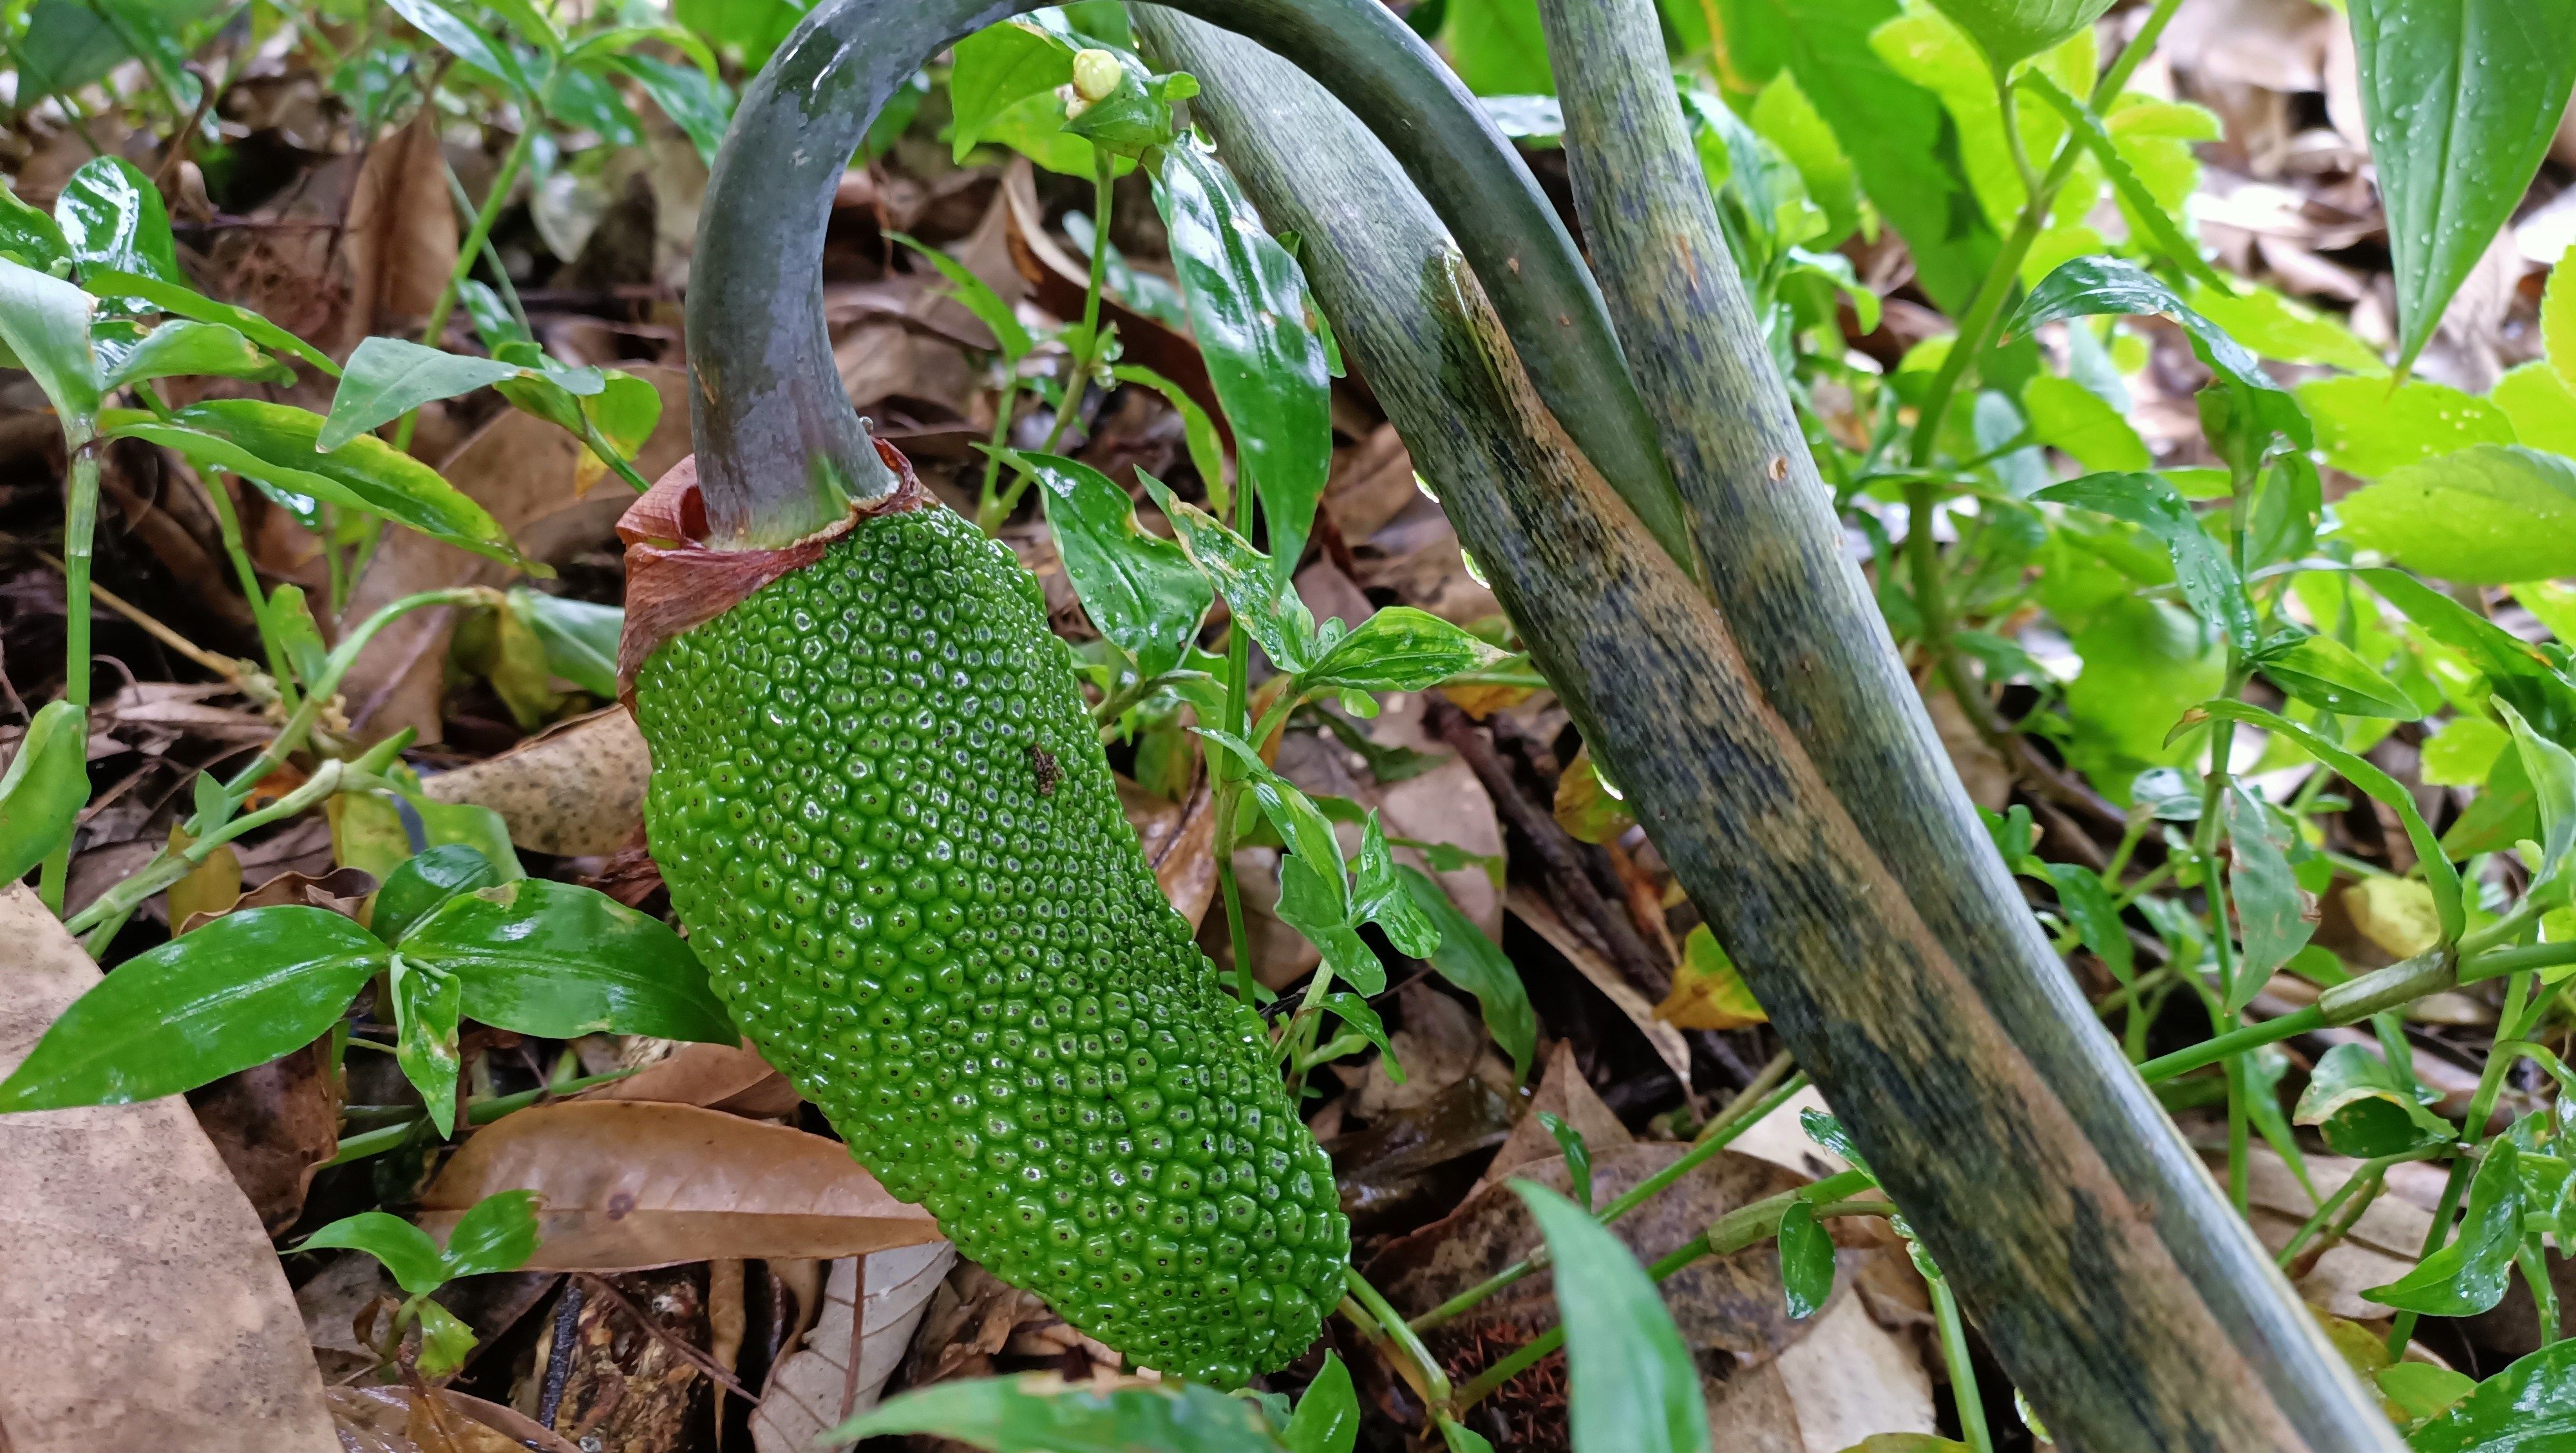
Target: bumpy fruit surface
x: 886, y: 821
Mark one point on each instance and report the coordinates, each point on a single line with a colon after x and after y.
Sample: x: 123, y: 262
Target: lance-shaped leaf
x: 44, y: 790
x: 996, y: 69
x: 2527, y: 1408
x: 44, y: 321
x: 2365, y: 1108
x: 2207, y: 578
x: 1380, y: 897
x: 1806, y: 1260
x: 2470, y: 1274
x: 2461, y: 99
x: 1262, y: 600
x: 2093, y: 286
x: 1198, y: 431
x: 560, y: 960
x: 28, y: 236
x: 415, y: 1262
x: 1247, y: 302
x: 2518, y: 671
x: 424, y: 883
x: 273, y: 444
x: 387, y: 378
x: 696, y: 102
x: 1477, y: 964
x: 185, y: 302
x: 2551, y: 770
x: 1355, y: 1012
x: 977, y: 297
x: 1037, y: 1414
x: 2488, y: 515
x: 580, y: 637
x: 2089, y: 906
x: 1400, y: 649
x: 2143, y: 203
x: 2269, y: 912
x: 488, y: 54
x: 2326, y: 673
x: 1141, y: 590
x: 112, y: 217
x: 428, y: 1003
x: 240, y: 991
x: 1635, y: 1388
x: 185, y: 349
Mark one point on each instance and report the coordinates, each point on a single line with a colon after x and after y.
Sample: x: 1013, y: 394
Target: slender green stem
x: 481, y: 1112
x: 1435, y: 1382
x: 80, y: 526
x: 2233, y: 1042
x: 610, y: 455
x: 2009, y: 109
x: 502, y: 283
x: 2509, y: 1027
x: 228, y: 523
x: 2497, y: 963
x: 1963, y: 1369
x: 2544, y: 1296
x: 471, y: 249
x: 1721, y: 1133
x: 1537, y: 1348
x: 988, y: 509
x: 1089, y: 348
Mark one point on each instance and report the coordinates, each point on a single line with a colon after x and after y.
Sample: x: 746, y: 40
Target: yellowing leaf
x: 1707, y: 991
x: 213, y: 887
x: 1588, y: 808
x: 2558, y: 318
x: 2395, y: 913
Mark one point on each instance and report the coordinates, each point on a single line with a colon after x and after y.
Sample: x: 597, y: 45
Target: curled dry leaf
x: 341, y: 891
x: 398, y: 1420
x: 121, y: 1329
x: 632, y: 1375
x: 624, y: 1185
x: 732, y: 1078
x: 400, y: 238
x: 1180, y: 843
x: 574, y: 790
x: 836, y: 1376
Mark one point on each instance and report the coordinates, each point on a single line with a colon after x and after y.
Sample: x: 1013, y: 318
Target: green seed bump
x: 886, y: 820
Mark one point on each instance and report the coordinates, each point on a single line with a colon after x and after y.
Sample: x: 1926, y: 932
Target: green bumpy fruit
x: 885, y: 818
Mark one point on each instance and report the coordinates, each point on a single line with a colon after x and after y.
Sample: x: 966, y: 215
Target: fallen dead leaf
x: 625, y: 1185
x: 732, y: 1078
x: 401, y: 237
x: 575, y: 789
x: 341, y: 891
x: 144, y: 1307
x: 274, y: 1125
x: 1564, y: 1093
x: 2381, y: 1247
x: 817, y: 1386
x: 1440, y: 1043
x: 1539, y: 914
x: 392, y: 1420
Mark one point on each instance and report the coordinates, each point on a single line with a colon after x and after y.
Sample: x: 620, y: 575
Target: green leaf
x: 2461, y: 98
x: 998, y: 68
x: 1497, y: 47
x: 2269, y: 911
x: 470, y: 825
x: 27, y: 236
x: 2145, y: 208
x: 111, y: 216
x: 1355, y: 1012
x: 1037, y: 1414
x: 2423, y: 1390
x: 2489, y: 515
x: 497, y: 1233
x: 1578, y: 1158
x: 699, y: 105
x: 559, y: 961
x: 2274, y: 326
x: 1260, y: 596
x: 1247, y: 302
x: 2201, y: 567
x: 425, y: 882
x: 580, y: 637
x: 1635, y: 1388
x: 2074, y: 420
x: 1207, y: 452
x: 274, y: 445
x: 445, y: 1341
x: 2516, y: 670
x: 241, y: 991
x: 2530, y: 1407
x: 2012, y: 31
x: 1806, y: 1260
x: 486, y: 54
x: 1400, y: 649
x: 387, y: 378
x: 1473, y: 962
x: 2540, y: 404
x: 2365, y: 1108
x: 2090, y: 287
x: 1828, y: 1132
x: 2439, y: 875
x: 46, y: 786
x: 1380, y: 897
x: 2470, y: 1274
x: 1328, y: 1413
x: 2374, y: 426
x: 417, y: 1265
x: 189, y: 349
x: 977, y: 297
x: 1900, y: 138
x: 2551, y: 770
x: 45, y: 323
x: 2096, y: 916
x: 1140, y: 590
x: 2463, y: 752
x: 186, y: 302
x: 428, y: 1002
x: 2326, y: 673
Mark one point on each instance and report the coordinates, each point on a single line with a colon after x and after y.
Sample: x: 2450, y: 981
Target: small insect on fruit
x: 885, y: 817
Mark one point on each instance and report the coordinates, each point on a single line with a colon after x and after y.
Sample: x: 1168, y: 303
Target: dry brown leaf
x: 1564, y: 1093
x: 143, y: 1306
x: 275, y: 1125
x: 624, y: 1185
x: 341, y: 891
x: 816, y: 1387
x: 527, y: 473
x: 1536, y: 911
x: 733, y: 1078
x: 1441, y: 1042
x: 391, y: 1419
x: 574, y: 790
x: 401, y: 237
x: 2381, y: 1247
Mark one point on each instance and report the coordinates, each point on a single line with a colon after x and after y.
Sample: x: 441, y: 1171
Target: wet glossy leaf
x: 1328, y: 1412
x: 112, y: 217
x: 1578, y: 1157
x: 1708, y: 992
x: 2530, y: 1407
x: 1140, y: 589
x: 2096, y: 915
x: 45, y: 788
x: 2462, y: 99
x: 1806, y: 1260
x: 2324, y: 672
x: 241, y: 991
x: 2269, y: 912
x: 2423, y: 1390
x: 186, y: 349
x: 185, y: 302
x: 1260, y: 595
x: 1040, y: 1414
x: 1587, y: 806
x: 28, y: 236
x: 2012, y: 31
x: 1400, y: 649
x: 1379, y: 896
x: 2373, y: 426
x: 2470, y: 1273
x: 1475, y: 963
x: 1635, y: 1388
x: 580, y: 637
x: 445, y: 1340
x: 471, y: 825
x: 1247, y: 303
x: 2201, y: 566
x: 498, y: 1233
x: 2440, y: 876
x: 998, y: 68
x: 2094, y: 286
x: 427, y: 1005
x: 1828, y: 1132
x: 274, y: 444
x: 559, y: 960
x: 1355, y: 1012
x: 418, y: 1266
x: 2364, y: 1108
x: 44, y: 322
x: 2488, y: 515
x: 387, y: 378
x: 467, y: 43
x: 424, y: 883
